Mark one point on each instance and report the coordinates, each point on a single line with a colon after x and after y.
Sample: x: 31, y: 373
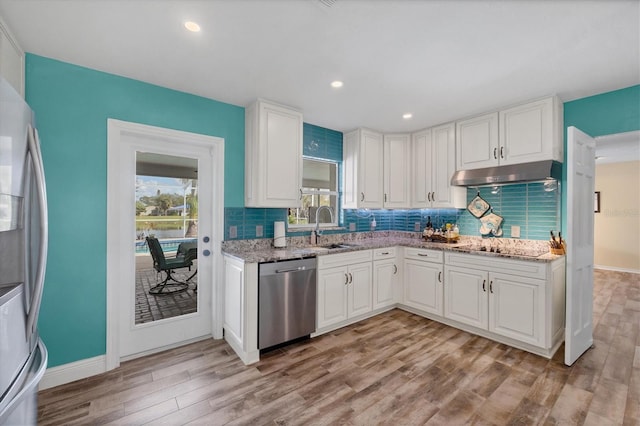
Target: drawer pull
x: 423, y: 255
x: 386, y: 252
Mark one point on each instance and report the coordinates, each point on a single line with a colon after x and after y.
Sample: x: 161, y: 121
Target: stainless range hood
x: 514, y: 173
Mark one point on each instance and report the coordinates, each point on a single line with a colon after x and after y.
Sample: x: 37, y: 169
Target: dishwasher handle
x: 299, y: 268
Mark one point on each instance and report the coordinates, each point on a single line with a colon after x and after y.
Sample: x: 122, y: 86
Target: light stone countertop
x: 510, y: 249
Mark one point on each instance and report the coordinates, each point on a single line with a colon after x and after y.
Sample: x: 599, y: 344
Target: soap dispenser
x: 373, y: 224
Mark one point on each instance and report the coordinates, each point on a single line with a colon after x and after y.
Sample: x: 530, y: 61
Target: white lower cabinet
x: 385, y: 277
x: 520, y: 300
x: 344, y: 287
x: 423, y: 280
x: 241, y: 308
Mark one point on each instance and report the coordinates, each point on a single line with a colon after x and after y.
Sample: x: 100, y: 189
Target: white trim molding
x: 67, y: 373
x: 616, y: 269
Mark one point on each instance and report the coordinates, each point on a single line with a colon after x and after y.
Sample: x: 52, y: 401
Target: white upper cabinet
x: 432, y: 165
x: 397, y: 151
x: 11, y: 59
x: 477, y: 142
x: 273, y: 155
x: 531, y: 132
x: 521, y: 134
x: 363, y: 163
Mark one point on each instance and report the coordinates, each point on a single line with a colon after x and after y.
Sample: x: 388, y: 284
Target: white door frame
x: 116, y: 130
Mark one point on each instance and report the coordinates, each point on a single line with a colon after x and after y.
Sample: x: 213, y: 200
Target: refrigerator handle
x: 33, y: 143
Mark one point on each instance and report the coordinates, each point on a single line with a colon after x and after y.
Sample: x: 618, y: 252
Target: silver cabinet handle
x: 395, y: 269
x: 491, y: 286
x: 440, y: 276
x: 362, y: 196
x: 423, y: 255
x: 502, y: 152
x: 346, y: 279
x: 483, y: 287
x: 428, y: 196
x: 385, y: 198
x: 433, y: 196
x: 350, y: 277
x: 495, y: 153
x: 386, y: 252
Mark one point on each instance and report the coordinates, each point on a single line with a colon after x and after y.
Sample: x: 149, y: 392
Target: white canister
x: 279, y: 239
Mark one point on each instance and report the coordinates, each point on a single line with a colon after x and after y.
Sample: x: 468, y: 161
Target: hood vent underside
x: 513, y: 173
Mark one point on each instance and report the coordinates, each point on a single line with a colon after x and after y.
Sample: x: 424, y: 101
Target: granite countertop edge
x: 291, y: 253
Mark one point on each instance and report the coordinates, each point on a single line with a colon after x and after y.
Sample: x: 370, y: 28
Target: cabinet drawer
x: 426, y: 255
x: 343, y: 259
x: 384, y: 253
x: 522, y: 268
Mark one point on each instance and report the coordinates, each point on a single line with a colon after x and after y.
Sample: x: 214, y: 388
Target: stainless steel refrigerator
x: 23, y: 257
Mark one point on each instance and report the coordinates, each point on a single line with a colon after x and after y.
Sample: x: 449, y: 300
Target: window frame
x: 336, y: 193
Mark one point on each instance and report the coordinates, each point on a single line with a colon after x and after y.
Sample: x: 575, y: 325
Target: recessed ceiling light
x: 337, y: 84
x: 192, y: 26
x: 407, y: 116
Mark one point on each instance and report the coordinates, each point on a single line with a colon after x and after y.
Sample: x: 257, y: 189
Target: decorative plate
x: 478, y: 206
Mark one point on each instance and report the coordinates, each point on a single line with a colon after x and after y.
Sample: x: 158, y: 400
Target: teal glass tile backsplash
x: 530, y: 206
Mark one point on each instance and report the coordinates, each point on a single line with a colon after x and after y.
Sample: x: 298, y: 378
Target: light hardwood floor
x: 396, y: 368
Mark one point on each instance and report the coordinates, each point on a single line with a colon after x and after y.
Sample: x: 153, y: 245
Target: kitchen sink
x: 338, y: 246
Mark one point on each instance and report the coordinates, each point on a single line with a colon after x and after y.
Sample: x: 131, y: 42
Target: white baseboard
x: 73, y: 371
x: 616, y: 269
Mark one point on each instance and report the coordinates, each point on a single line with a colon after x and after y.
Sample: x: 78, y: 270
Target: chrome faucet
x: 316, y: 232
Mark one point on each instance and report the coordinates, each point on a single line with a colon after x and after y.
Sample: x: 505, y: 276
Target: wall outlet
x: 233, y: 232
x: 416, y: 226
x: 515, y: 231
x: 258, y: 230
x: 352, y: 227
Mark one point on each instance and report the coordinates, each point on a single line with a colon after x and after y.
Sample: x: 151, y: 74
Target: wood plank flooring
x: 396, y: 368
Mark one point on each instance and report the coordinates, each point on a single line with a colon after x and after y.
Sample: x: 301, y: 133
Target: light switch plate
x: 352, y: 227
x: 258, y: 230
x: 233, y: 232
x: 416, y: 226
x: 515, y: 231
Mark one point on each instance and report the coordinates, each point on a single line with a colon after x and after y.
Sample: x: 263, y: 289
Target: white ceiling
x: 440, y: 60
x: 618, y: 148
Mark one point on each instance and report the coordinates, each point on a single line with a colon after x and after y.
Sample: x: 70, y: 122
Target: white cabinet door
x: 477, y: 142
x: 421, y: 163
x: 397, y: 151
x: 273, y: 150
x: 332, y: 295
x: 465, y: 296
x: 363, y: 169
x: 359, y: 289
x: 516, y: 307
x: 385, y: 273
x: 443, y: 166
x: 528, y: 133
x: 423, y: 286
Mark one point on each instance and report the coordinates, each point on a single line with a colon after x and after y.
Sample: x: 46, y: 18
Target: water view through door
x: 165, y: 200
x: 166, y: 206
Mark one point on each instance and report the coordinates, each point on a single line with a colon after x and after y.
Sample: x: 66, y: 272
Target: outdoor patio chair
x: 162, y: 264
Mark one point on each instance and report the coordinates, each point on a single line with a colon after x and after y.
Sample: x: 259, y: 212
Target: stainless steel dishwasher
x: 286, y: 301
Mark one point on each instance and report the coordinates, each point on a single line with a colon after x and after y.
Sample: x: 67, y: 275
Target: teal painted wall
x: 72, y: 105
x: 604, y: 114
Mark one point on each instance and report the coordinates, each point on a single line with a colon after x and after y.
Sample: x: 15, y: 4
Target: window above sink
x: 319, y: 188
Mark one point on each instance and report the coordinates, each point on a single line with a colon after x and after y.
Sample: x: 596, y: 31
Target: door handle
x: 350, y: 277
x: 362, y: 196
x: 385, y: 198
x: 395, y: 269
x: 433, y: 196
x: 300, y: 193
x: 495, y: 153
x: 483, y: 285
x: 502, y: 152
x: 346, y: 279
x: 428, y: 196
x: 206, y: 253
x: 440, y: 276
x: 491, y: 286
